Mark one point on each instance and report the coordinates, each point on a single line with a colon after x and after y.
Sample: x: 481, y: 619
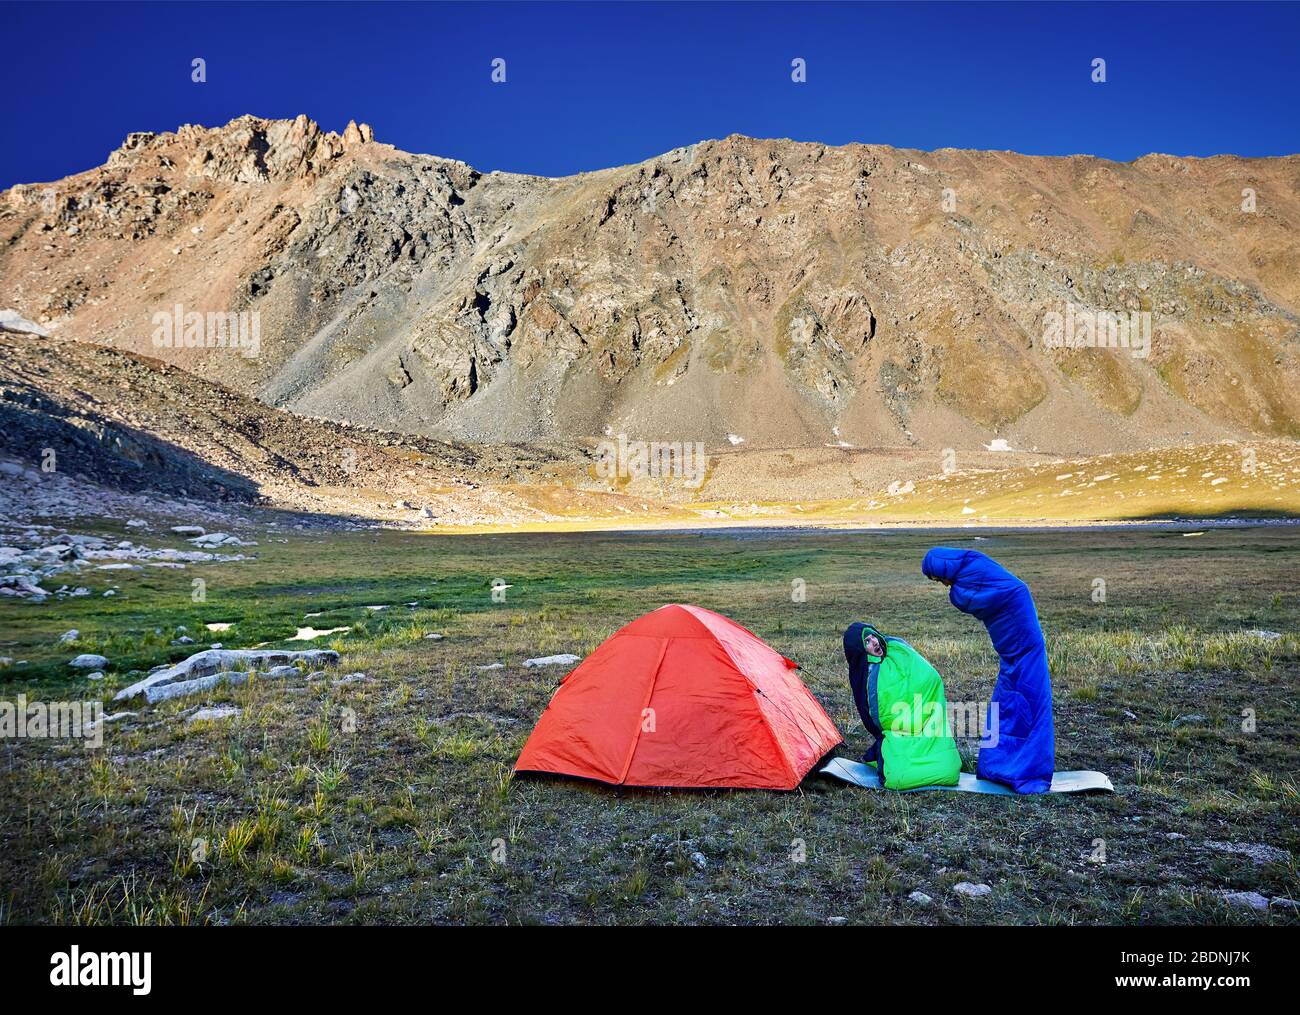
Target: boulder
x: 87, y: 661
x: 210, y: 667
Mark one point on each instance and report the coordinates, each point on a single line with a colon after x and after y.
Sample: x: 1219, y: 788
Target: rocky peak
x: 248, y: 149
x: 355, y: 135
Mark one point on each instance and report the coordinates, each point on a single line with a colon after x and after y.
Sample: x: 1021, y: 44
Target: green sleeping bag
x: 901, y: 700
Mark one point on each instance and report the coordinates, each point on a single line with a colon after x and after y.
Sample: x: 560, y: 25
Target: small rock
x: 700, y: 860
x: 433, y: 637
x: 920, y: 898
x: 972, y: 891
x: 97, y: 675
x: 281, y: 672
x: 1251, y: 900
x: 1191, y: 717
x: 837, y: 921
x: 87, y: 661
x: 563, y: 659
x: 111, y: 718
x: 188, y: 530
x: 68, y: 636
x: 214, y: 713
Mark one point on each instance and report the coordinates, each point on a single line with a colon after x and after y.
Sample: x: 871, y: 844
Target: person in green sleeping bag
x: 900, y: 698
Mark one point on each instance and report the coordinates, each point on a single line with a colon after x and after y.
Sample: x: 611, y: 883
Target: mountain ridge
x: 780, y: 291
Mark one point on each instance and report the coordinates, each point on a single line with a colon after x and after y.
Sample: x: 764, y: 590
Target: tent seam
x: 762, y: 714
x: 767, y: 724
x: 636, y: 740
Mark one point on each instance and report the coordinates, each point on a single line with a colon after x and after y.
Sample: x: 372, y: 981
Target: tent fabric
x: 900, y: 698
x: 1024, y: 755
x: 682, y: 697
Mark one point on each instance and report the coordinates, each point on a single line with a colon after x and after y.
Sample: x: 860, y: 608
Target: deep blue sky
x: 592, y: 85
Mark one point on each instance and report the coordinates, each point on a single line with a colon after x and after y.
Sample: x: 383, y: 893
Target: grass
x: 391, y: 799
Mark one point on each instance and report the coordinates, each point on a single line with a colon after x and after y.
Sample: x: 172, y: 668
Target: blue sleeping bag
x: 1024, y: 755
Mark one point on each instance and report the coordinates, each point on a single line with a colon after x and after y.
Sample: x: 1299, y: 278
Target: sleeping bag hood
x: 901, y: 701
x: 1020, y: 711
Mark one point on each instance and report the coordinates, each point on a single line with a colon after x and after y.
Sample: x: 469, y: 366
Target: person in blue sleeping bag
x: 1023, y: 755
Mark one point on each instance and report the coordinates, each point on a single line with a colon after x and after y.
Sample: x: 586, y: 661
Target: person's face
x: 873, y: 646
x: 942, y: 581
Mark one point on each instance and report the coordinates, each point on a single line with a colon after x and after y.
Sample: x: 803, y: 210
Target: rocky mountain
x: 80, y: 424
x: 787, y: 294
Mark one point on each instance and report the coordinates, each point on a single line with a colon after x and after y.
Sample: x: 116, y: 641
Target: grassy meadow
x: 390, y: 798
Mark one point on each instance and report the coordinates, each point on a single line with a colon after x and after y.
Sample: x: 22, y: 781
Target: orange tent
x: 682, y: 697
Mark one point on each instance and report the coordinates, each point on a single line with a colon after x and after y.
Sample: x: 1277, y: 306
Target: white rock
x: 1251, y: 900
x: 21, y: 586
x: 214, y: 539
x: 920, y: 898
x: 213, y: 714
x: 433, y: 637
x: 12, y: 320
x: 68, y: 636
x: 563, y: 659
x: 87, y: 661
x: 111, y: 718
x: 970, y: 890
x: 97, y: 675
x: 213, y: 666
x: 188, y: 530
